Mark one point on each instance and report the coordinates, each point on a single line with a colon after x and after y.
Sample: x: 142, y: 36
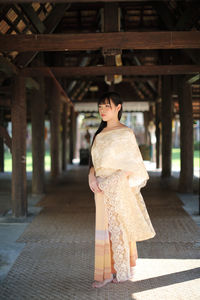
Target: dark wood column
x: 1, y: 145
x: 72, y: 133
x: 37, y: 118
x: 18, y: 117
x: 75, y: 133
x: 166, y: 117
x: 158, y: 132
x: 55, y: 103
x: 68, y: 132
x: 158, y: 124
x: 64, y: 137
x: 186, y: 137
x: 146, y: 121
x: 71, y: 154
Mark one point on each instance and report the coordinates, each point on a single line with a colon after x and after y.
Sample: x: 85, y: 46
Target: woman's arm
x: 93, y: 181
x: 91, y: 171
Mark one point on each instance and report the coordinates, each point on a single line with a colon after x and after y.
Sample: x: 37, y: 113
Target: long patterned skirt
x: 104, y: 258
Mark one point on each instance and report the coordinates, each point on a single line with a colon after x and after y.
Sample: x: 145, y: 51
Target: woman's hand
x: 93, y: 184
x: 127, y: 173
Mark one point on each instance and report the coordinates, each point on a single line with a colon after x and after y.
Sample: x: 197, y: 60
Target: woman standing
x: 116, y: 175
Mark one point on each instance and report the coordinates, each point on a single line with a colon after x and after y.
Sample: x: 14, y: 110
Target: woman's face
x: 108, y: 110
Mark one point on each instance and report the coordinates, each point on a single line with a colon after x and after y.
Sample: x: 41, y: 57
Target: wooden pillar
x: 64, y: 137
x: 38, y: 152
x: 146, y: 122
x: 1, y: 145
x: 75, y: 133
x: 158, y: 133
x: 166, y: 116
x: 186, y: 137
x: 18, y: 117
x: 72, y: 133
x: 55, y: 103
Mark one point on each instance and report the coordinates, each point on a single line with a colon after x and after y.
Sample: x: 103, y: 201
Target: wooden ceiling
x: 82, y: 41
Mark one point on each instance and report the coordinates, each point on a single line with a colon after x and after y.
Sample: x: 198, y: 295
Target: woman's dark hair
x: 115, y: 97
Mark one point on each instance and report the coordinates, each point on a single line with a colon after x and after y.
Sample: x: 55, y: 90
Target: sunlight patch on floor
x: 167, y: 279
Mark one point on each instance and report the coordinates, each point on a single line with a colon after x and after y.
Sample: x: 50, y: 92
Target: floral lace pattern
x: 125, y: 218
x: 118, y: 233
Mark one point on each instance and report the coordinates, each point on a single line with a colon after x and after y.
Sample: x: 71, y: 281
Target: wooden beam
x: 51, y: 22
x: 185, y: 22
x: 64, y: 97
x: 149, y: 82
x: 193, y: 79
x: 102, y: 70
x: 33, y: 17
x: 71, y: 1
x: 125, y: 79
x: 97, y: 41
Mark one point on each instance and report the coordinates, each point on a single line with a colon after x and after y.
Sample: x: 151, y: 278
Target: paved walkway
x: 57, y: 257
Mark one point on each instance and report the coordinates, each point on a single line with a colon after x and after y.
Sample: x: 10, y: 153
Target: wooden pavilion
x: 53, y: 54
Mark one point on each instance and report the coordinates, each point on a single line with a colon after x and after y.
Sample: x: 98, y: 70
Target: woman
x: 116, y: 175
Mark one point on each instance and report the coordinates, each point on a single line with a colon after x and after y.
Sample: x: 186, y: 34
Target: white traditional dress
x: 121, y: 214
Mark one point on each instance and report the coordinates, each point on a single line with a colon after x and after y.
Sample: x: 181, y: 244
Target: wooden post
x: 72, y: 133
x: 38, y: 152
x: 186, y: 137
x: 146, y: 121
x: 18, y: 117
x: 166, y: 116
x: 68, y: 133
x: 55, y: 131
x: 157, y: 133
x: 1, y: 145
x: 64, y: 137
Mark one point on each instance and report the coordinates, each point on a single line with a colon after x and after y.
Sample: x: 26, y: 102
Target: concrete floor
x: 50, y: 254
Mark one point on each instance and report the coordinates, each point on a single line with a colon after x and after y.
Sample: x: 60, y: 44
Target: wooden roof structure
x: 54, y: 55
x: 87, y: 45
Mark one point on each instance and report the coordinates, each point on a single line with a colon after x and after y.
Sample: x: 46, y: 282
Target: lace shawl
x: 118, y: 149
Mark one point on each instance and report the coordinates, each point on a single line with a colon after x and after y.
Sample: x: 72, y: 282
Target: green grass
x: 8, y: 162
x: 175, y: 160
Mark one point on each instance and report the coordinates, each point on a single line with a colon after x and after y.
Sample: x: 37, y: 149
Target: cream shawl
x: 118, y: 149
